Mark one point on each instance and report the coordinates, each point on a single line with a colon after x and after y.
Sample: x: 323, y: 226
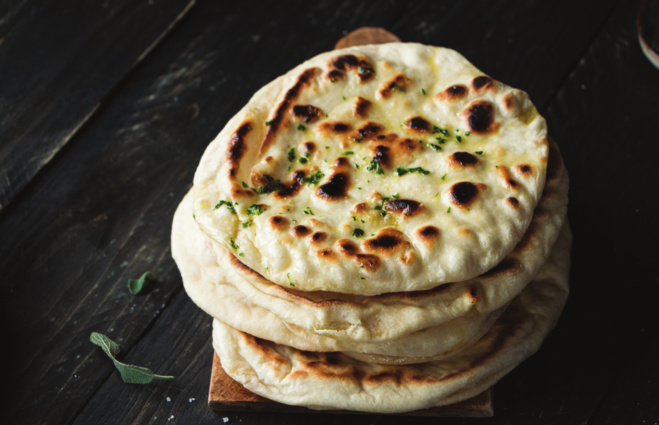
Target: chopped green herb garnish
x: 272, y: 186
x: 290, y: 282
x: 448, y: 210
x: 479, y: 152
x: 130, y: 374
x: 400, y: 171
x: 435, y: 147
x: 467, y: 133
x: 375, y: 166
x: 228, y: 204
x: 308, y: 211
x: 136, y: 285
x: 358, y: 233
x: 399, y: 88
x: 344, y: 98
x: 458, y: 138
x: 291, y: 155
x: 327, y: 147
x: 346, y: 153
x: 256, y: 209
x: 313, y: 178
x: 233, y: 244
x: 395, y: 196
x: 423, y: 91
x: 302, y: 160
x: 247, y: 223
x: 301, y: 127
x: 440, y: 130
x: 358, y: 139
x: 268, y: 122
x: 444, y: 177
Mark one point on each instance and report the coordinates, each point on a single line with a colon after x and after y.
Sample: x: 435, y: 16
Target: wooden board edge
x: 225, y: 394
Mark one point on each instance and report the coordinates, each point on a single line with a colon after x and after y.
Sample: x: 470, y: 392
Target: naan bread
x: 370, y: 319
x: 375, y: 169
x: 336, y: 381
x: 207, y: 282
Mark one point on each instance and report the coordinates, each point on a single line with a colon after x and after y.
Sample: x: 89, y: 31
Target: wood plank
x: 225, y: 394
x: 52, y: 79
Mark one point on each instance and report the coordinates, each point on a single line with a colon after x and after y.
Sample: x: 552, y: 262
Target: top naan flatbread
x: 375, y: 169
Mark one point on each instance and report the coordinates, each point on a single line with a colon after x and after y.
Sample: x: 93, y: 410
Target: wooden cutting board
x: 225, y: 394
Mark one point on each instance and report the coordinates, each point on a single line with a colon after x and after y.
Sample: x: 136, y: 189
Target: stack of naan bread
x: 381, y: 229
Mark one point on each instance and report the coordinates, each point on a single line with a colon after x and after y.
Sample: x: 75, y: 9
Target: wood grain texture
x: 366, y: 35
x: 100, y: 212
x: 59, y: 60
x: 225, y: 394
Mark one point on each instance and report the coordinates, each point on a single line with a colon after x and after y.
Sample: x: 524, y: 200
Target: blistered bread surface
x: 375, y: 169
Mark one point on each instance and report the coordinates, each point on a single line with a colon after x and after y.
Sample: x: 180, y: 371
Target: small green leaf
x: 130, y: 374
x: 301, y: 127
x: 375, y: 166
x: 358, y: 233
x: 136, y: 285
x: 291, y: 155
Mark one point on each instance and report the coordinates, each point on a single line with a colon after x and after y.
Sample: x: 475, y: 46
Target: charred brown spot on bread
x: 237, y: 148
x: 300, y: 231
x: 386, y: 242
x: 464, y: 194
x: 480, y: 117
x: 346, y: 247
x: 508, y: 267
x: 240, y: 192
x: 292, y: 187
x: 308, y: 147
x: 462, y: 160
x: 482, y: 82
x: 405, y: 207
x: 381, y: 154
x: 391, y: 375
x: 335, y: 75
x: 397, y: 83
x: 506, y: 178
x: 524, y: 170
x: 473, y: 294
x: 360, y: 207
x: 340, y: 64
x: 333, y: 128
x: 306, y: 113
x: 427, y: 234
x: 386, y: 138
x: 368, y: 262
x: 509, y: 101
x: 326, y: 254
x: 276, y: 122
x: 336, y: 187
x: 368, y: 130
x: 263, y: 347
x: 341, y: 163
x: 418, y: 125
x: 318, y: 237
x: 361, y: 107
x: 512, y: 202
x: 457, y: 91
x: 278, y: 222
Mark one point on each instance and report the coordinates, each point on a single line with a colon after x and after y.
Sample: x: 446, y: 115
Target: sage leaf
x: 130, y: 374
x: 136, y: 285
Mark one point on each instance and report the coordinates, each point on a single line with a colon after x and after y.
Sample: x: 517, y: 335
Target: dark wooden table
x: 106, y: 108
